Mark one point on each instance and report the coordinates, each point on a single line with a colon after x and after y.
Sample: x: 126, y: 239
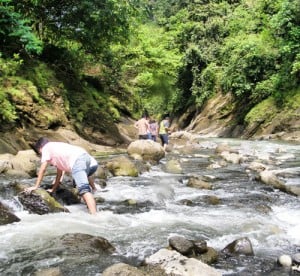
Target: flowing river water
x: 247, y: 208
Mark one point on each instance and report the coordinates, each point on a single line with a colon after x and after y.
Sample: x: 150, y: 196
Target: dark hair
x: 40, y: 143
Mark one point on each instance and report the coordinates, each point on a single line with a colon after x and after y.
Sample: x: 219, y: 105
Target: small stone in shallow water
x: 296, y: 258
x: 285, y: 260
x: 296, y: 268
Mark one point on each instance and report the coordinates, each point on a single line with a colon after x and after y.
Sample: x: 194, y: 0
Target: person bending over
x: 71, y: 159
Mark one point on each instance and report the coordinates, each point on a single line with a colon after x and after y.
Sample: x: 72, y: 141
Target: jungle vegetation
x: 156, y: 55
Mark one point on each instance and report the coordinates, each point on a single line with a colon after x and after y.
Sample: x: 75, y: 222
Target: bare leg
x: 90, y: 202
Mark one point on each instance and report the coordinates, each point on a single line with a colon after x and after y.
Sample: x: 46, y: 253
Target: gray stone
x: 173, y: 263
x: 240, y: 246
x: 181, y: 244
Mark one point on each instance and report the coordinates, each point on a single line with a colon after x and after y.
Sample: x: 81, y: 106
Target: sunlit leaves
x: 15, y: 31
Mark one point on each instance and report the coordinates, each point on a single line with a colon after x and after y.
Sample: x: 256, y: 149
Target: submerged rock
x: 173, y: 166
x: 238, y: 247
x: 199, y: 183
x: 6, y: 216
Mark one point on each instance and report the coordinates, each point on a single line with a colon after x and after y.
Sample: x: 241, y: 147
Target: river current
x: 247, y: 208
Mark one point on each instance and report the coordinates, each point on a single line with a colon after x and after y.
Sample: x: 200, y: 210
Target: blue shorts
x: 164, y: 139
x: 81, y: 170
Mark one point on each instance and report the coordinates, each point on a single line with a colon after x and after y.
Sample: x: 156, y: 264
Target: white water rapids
x: 24, y: 245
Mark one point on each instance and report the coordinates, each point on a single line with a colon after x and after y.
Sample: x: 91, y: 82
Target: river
x: 247, y: 208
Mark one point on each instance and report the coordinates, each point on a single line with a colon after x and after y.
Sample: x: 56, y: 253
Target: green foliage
x: 15, y: 31
x: 248, y: 48
x: 285, y: 28
x: 93, y: 24
x: 268, y: 109
x: 7, y: 109
x: 264, y: 111
x: 250, y: 61
x: 150, y: 66
x: 115, y: 56
x: 10, y: 67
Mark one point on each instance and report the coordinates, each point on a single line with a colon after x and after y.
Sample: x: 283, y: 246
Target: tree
x: 15, y: 31
x: 91, y: 23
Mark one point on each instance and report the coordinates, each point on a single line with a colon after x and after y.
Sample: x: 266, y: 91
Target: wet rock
x: 208, y: 257
x: 186, y: 202
x: 296, y: 258
x: 79, y: 244
x: 130, y: 206
x: 199, y: 183
x: 40, y: 202
x: 200, y: 246
x: 285, y: 260
x: 6, y: 216
x: 257, y: 166
x: 188, y: 148
x: 218, y: 164
x: 232, y: 157
x: 25, y: 161
x: 130, y: 202
x: 5, y: 163
x: 101, y: 173
x: 222, y: 147
x: 173, y: 166
x: 212, y: 200
x: 173, y: 263
x: 146, y: 150
x: 270, y: 178
x: 122, y: 166
x: 296, y: 268
x: 17, y: 174
x: 128, y: 270
x: 67, y: 196
x: 52, y: 271
x: 123, y: 269
x: 181, y: 244
x: 263, y: 208
x: 99, y: 199
x: 240, y: 246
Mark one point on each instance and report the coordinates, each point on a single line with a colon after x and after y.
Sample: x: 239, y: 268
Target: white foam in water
x: 138, y: 234
x: 290, y: 221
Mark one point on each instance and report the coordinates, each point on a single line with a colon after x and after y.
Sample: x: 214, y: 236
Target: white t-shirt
x: 61, y: 155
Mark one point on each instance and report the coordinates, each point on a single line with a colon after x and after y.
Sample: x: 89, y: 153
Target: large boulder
x: 25, y: 161
x: 146, y: 150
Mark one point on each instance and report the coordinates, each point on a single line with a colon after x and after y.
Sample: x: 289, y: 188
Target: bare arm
x: 57, y: 181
